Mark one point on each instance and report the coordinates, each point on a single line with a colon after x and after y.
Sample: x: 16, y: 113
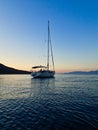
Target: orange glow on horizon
x: 57, y: 69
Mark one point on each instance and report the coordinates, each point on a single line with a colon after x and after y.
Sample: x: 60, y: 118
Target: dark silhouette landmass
x: 8, y: 70
x: 83, y: 72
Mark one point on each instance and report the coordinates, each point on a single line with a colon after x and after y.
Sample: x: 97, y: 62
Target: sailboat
x: 45, y: 71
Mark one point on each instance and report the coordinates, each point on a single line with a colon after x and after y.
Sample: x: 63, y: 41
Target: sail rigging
x: 49, y: 48
x: 45, y: 71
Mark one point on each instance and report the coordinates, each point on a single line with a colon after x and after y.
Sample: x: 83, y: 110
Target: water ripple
x: 63, y: 103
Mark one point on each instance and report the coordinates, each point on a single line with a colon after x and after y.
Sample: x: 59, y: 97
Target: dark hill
x: 8, y: 70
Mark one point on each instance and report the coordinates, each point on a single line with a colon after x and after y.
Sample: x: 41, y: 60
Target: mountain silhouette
x: 8, y: 70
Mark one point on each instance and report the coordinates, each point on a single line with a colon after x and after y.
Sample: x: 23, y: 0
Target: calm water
x: 67, y: 102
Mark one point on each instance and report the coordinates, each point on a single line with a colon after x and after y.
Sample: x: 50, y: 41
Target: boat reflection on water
x: 41, y: 87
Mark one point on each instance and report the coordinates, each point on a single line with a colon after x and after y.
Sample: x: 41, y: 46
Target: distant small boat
x: 44, y: 71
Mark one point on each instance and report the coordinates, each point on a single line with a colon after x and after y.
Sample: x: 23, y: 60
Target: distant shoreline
x: 82, y: 72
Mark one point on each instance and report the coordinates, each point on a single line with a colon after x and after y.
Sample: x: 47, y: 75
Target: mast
x: 48, y: 47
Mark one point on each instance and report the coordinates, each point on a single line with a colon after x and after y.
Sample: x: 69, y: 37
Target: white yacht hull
x: 43, y: 74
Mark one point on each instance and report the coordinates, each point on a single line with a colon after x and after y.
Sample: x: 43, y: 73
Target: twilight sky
x: 74, y: 33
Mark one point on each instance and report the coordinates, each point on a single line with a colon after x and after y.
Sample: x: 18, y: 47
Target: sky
x: 73, y: 28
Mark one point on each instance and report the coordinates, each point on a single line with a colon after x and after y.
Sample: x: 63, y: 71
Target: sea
x: 66, y: 102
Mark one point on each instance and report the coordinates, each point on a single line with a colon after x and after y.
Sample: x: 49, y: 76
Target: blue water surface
x: 66, y: 102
